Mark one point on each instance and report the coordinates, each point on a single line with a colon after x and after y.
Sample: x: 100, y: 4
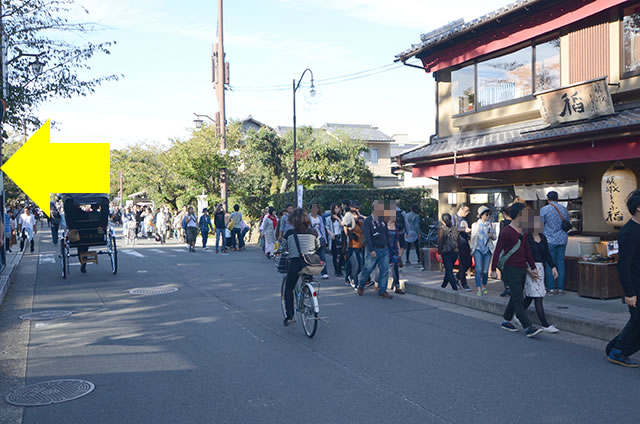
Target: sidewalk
x: 602, y: 319
x: 13, y: 259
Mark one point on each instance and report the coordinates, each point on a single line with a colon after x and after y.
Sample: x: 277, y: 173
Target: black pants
x: 23, y: 239
x: 395, y: 272
x: 338, y: 257
x: 205, y: 237
x: 416, y: 244
x: 465, y: 263
x: 448, y: 260
x: 54, y: 233
x: 514, y: 278
x: 628, y: 341
x: 295, y: 265
x: 7, y: 243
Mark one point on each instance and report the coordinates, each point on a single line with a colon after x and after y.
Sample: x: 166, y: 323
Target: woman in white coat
x: 268, y: 229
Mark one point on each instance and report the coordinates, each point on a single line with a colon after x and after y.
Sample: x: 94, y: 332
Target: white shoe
x: 550, y: 329
x: 516, y: 321
x: 325, y: 276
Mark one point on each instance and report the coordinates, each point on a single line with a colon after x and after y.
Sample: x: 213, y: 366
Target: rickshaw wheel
x: 65, y: 258
x: 113, y: 254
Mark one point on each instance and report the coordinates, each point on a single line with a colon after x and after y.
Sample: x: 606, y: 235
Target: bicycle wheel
x: 308, y: 314
x: 284, y: 307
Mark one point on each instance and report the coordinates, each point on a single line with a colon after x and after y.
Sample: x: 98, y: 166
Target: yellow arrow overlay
x: 40, y: 167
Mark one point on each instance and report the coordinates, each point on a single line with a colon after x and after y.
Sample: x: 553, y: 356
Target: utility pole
x: 221, y: 78
x: 3, y: 97
x: 120, y: 189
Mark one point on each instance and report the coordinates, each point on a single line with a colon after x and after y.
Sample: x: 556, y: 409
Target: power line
x: 326, y: 81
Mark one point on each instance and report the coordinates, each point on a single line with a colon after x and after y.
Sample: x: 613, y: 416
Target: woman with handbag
x: 336, y: 232
x: 482, y: 237
x: 299, y: 242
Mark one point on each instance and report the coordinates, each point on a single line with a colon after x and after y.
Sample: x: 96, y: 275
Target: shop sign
x: 577, y: 102
x: 617, y: 183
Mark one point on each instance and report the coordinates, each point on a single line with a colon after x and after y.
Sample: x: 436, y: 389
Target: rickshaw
x: 87, y: 225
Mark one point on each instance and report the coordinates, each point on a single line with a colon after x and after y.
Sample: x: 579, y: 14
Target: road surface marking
x: 132, y: 253
x: 179, y: 250
x: 142, y: 271
x: 158, y: 251
x: 47, y: 259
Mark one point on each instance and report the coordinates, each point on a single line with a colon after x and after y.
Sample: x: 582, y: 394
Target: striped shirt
x: 309, y: 243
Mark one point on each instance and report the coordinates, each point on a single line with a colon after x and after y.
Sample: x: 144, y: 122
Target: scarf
x: 274, y: 220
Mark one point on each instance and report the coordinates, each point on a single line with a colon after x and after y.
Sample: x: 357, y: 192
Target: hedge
x: 326, y: 195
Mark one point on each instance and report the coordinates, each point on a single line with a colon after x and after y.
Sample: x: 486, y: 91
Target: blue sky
x: 164, y: 48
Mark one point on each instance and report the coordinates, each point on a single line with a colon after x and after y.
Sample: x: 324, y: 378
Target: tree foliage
x: 43, y: 27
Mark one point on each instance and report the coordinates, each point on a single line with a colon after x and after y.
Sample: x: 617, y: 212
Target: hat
x: 355, y: 204
x: 552, y: 195
x: 205, y: 210
x: 482, y: 210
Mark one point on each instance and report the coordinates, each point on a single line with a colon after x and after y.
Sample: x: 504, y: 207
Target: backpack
x: 451, y: 240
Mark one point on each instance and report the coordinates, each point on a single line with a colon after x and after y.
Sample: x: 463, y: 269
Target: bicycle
x: 305, y: 302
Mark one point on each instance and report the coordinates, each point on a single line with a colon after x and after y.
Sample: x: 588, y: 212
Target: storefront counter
x: 598, y: 280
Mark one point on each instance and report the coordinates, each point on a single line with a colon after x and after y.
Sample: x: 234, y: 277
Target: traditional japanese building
x: 540, y: 95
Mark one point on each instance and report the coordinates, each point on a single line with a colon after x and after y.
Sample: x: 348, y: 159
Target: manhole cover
x: 45, y: 315
x: 153, y: 290
x: 49, y: 392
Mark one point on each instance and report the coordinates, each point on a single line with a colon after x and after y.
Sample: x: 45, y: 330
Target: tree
x: 42, y: 27
x: 12, y: 192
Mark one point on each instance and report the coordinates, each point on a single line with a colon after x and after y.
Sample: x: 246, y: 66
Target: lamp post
x: 312, y: 94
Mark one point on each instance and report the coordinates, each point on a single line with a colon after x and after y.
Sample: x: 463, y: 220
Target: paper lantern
x: 617, y: 182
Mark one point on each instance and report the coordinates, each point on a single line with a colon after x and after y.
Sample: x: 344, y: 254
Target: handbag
x: 566, y: 225
x: 313, y: 265
x: 231, y: 225
x: 503, y: 258
x: 283, y: 263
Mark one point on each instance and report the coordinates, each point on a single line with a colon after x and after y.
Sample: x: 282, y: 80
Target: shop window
x: 462, y: 89
x: 631, y: 41
x: 505, y: 78
x: 548, y: 65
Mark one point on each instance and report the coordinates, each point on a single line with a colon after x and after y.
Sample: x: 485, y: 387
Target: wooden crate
x: 571, y: 273
x: 599, y: 280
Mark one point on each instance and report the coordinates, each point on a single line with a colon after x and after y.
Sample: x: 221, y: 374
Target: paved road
x: 215, y: 351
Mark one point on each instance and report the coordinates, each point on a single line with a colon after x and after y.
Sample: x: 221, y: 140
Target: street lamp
x: 310, y: 96
x: 199, y: 121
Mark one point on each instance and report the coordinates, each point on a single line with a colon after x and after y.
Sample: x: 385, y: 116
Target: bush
x: 326, y: 195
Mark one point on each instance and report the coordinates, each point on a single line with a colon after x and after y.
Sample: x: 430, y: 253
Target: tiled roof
x: 451, y: 31
x: 529, y: 132
x: 358, y: 132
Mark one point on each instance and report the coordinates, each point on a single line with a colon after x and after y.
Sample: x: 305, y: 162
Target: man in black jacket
x: 627, y: 342
x: 376, y: 250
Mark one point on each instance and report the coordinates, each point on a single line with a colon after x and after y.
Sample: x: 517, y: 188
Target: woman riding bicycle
x: 309, y: 243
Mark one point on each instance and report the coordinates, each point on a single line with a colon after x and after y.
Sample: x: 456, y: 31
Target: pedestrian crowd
x: 363, y: 249
x: 142, y: 222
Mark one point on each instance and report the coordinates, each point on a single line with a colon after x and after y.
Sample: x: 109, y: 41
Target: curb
x: 5, y: 277
x: 564, y: 321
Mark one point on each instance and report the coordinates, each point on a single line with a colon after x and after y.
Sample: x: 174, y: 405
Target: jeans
x: 241, y: 236
x: 628, y: 341
x: 465, y: 262
x: 395, y: 273
x: 295, y: 265
x: 354, y: 260
x: 235, y: 233
x: 54, y: 233
x: 483, y: 260
x: 382, y: 262
x: 514, y: 278
x: 448, y: 260
x: 557, y: 253
x: 205, y: 237
x: 219, y: 236
x: 322, y: 252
